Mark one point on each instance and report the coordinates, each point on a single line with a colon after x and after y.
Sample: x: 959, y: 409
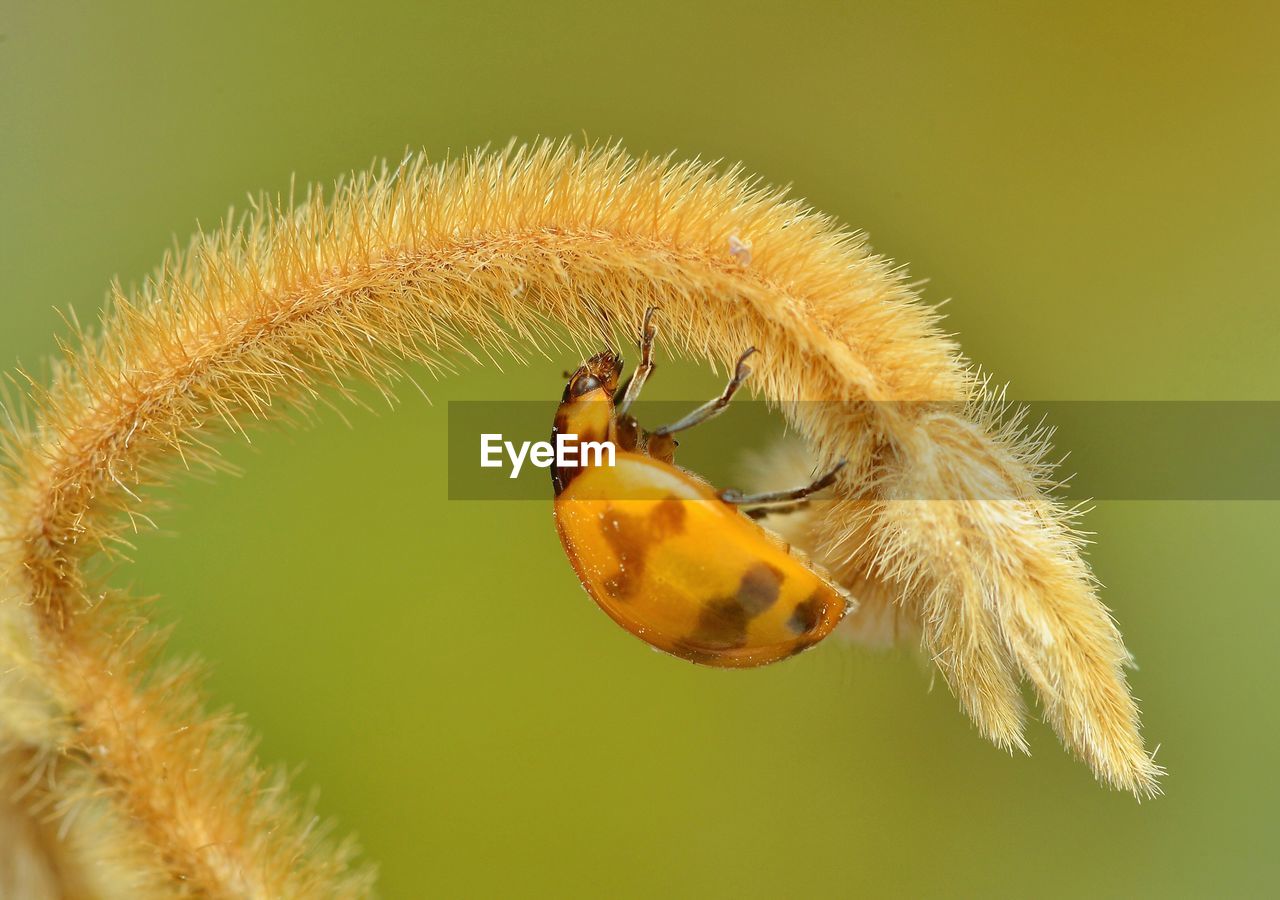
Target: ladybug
x: 678, y: 564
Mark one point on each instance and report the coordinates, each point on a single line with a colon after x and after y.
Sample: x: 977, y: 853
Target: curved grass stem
x: 513, y: 252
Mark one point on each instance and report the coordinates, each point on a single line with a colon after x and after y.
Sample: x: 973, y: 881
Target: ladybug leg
x: 631, y: 390
x: 661, y: 447
x: 629, y: 437
x: 780, y: 501
x: 712, y: 408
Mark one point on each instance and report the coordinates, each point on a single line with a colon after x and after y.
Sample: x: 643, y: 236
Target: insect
x: 670, y: 559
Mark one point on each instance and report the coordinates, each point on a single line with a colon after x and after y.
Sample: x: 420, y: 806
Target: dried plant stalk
x: 500, y: 251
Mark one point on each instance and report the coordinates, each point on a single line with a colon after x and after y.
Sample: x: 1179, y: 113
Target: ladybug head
x: 600, y: 372
x: 586, y: 410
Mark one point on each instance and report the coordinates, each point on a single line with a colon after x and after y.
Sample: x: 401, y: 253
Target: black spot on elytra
x: 759, y: 588
x: 723, y: 622
x: 807, y: 615
x: 722, y: 625
x: 667, y: 518
x: 630, y: 538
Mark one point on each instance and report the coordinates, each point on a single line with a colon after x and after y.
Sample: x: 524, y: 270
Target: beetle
x: 676, y: 563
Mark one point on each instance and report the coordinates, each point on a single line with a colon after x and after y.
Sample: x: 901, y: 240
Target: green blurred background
x: 1097, y: 187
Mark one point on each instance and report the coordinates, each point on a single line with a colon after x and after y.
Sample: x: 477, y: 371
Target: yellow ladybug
x: 670, y: 559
